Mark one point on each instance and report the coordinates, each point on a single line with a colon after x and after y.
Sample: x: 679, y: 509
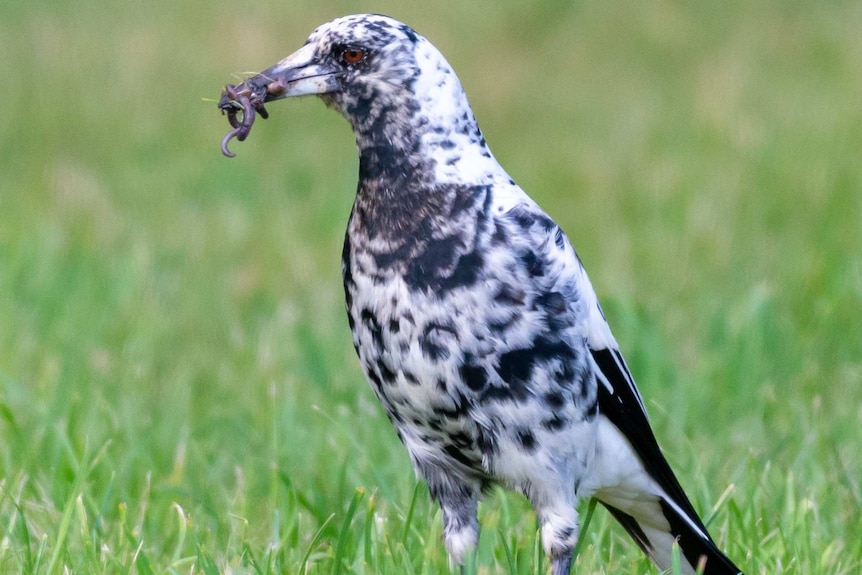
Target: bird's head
x: 354, y: 63
x: 376, y: 71
x: 401, y: 96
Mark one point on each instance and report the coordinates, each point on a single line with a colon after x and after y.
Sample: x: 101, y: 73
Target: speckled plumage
x: 472, y: 315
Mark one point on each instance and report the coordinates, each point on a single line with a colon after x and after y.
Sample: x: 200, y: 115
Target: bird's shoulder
x: 542, y: 248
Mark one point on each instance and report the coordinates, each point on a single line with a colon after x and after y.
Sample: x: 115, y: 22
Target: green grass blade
x: 344, y: 533
x: 585, y: 526
x: 408, y: 521
x: 315, y: 541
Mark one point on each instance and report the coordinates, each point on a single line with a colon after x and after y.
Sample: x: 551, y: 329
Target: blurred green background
x: 178, y: 390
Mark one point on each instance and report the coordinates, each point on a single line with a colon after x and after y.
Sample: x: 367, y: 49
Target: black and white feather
x: 471, y: 314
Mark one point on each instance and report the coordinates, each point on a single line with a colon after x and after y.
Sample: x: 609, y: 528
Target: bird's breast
x: 410, y: 348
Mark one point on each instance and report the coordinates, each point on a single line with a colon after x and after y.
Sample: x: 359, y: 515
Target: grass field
x: 178, y: 390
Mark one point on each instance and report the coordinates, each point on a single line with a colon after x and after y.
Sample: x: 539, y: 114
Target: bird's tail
x: 656, y: 525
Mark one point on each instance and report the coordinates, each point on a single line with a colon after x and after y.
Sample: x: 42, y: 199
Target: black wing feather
x: 621, y: 403
x: 623, y: 407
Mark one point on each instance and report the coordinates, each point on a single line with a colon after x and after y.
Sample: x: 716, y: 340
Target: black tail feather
x: 692, y: 545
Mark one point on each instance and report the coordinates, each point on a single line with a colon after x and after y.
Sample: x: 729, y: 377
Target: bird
x: 471, y: 314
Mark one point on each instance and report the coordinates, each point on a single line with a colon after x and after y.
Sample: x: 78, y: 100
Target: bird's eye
x: 352, y: 55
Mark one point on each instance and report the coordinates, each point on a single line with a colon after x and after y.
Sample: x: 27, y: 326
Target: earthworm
x: 232, y: 101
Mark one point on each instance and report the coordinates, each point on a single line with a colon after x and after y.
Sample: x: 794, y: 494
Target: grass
x: 178, y: 392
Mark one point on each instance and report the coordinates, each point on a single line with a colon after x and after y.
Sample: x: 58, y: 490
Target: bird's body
x: 465, y: 327
x: 471, y: 314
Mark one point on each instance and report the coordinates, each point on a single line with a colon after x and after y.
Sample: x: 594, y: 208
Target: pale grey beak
x: 297, y: 75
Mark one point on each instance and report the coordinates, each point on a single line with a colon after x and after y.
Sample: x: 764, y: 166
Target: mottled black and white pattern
x: 471, y: 313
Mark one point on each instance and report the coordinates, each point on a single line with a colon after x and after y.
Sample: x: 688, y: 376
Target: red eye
x: 352, y: 55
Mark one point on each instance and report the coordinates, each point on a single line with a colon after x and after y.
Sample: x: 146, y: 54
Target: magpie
x: 472, y: 315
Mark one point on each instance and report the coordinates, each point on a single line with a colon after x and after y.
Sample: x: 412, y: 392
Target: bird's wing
x: 618, y: 396
x: 621, y: 403
x: 631, y: 477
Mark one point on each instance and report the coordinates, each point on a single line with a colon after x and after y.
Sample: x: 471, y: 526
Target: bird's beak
x: 300, y: 74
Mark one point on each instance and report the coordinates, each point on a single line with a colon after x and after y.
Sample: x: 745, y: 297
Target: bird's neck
x: 428, y: 147
x: 396, y: 189
x: 421, y: 153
